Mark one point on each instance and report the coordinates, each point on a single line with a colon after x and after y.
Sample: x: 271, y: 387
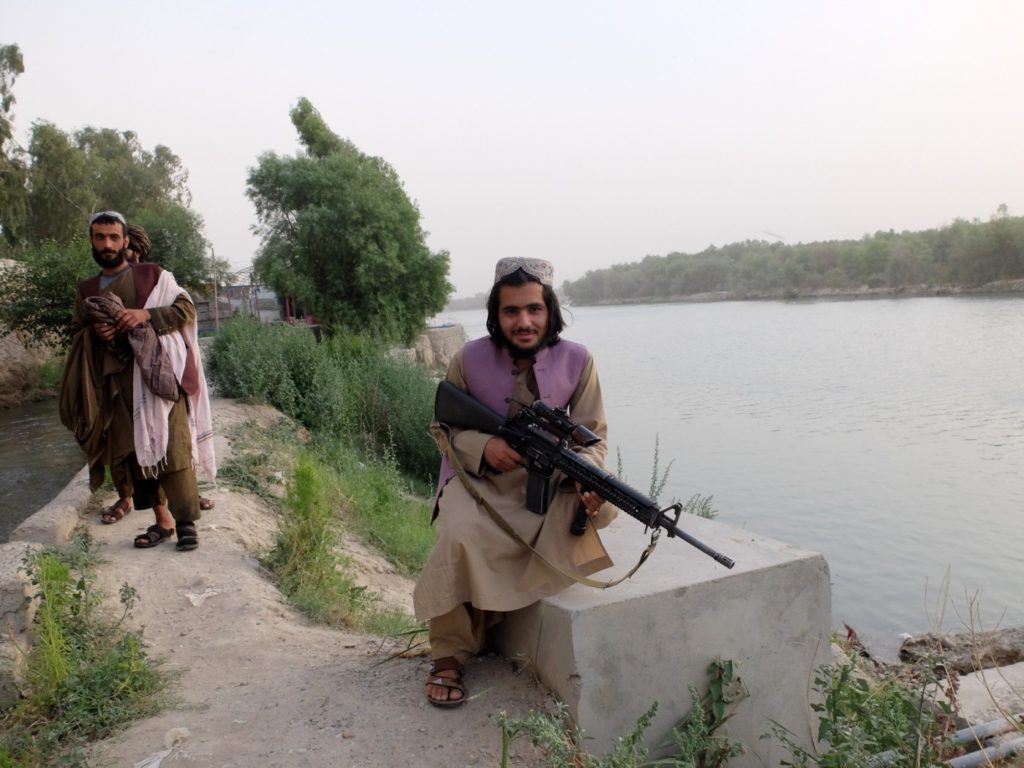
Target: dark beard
x: 108, y: 263
x: 518, y: 353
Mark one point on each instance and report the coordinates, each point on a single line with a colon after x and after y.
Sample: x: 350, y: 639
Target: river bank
x: 257, y: 684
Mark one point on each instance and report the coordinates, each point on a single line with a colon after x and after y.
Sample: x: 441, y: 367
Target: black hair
x: 555, y: 322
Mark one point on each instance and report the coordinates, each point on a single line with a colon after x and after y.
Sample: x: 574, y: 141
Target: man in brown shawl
x: 477, y: 571
x: 138, y: 250
x: 102, y: 398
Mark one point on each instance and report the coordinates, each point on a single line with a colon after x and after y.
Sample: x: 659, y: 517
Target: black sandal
x: 188, y: 537
x: 154, y: 535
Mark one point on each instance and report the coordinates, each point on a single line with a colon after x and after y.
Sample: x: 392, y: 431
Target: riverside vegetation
x: 369, y: 456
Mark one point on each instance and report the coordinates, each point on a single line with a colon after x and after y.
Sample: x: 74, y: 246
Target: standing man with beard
x: 134, y: 326
x: 477, y: 571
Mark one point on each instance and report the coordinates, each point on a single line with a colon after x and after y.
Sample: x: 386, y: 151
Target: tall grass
x: 87, y: 676
x: 311, y: 572
x: 381, y: 504
x: 348, y: 387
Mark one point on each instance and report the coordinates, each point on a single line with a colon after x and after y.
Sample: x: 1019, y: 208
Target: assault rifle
x: 542, y: 435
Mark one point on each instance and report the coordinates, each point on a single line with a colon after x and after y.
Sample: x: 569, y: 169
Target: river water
x: 38, y: 457
x: 886, y: 434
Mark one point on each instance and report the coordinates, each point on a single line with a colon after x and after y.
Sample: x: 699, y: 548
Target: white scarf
x: 150, y: 413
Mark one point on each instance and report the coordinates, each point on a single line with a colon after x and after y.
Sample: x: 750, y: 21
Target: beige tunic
x: 474, y: 561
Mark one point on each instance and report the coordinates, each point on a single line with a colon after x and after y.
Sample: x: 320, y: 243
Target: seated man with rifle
x: 493, y: 554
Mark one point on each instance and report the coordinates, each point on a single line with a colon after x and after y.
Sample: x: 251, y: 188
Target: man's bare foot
x: 116, y: 511
x: 163, y: 516
x: 444, y: 686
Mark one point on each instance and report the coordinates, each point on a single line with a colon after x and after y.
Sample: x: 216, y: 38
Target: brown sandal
x: 453, y: 683
x: 115, y: 512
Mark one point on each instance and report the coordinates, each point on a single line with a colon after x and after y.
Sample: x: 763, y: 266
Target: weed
x: 86, y: 676
x: 862, y: 716
x: 698, y: 505
x: 695, y: 741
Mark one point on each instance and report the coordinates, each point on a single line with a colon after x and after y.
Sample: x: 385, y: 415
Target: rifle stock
x: 540, y: 435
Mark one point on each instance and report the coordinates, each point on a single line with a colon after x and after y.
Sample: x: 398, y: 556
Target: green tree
x: 97, y: 168
x: 39, y: 290
x: 340, y: 235
x: 59, y: 196
x: 179, y: 245
x: 12, y: 166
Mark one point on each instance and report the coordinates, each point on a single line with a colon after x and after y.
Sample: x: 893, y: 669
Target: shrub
x: 350, y: 387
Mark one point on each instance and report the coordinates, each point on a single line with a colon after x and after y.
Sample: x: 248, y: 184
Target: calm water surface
x: 887, y: 435
x: 38, y: 457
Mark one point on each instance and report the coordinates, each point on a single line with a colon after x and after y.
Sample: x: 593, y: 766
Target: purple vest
x: 490, y: 374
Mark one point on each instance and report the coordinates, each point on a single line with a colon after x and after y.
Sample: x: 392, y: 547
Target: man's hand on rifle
x: 499, y: 455
x: 591, y: 501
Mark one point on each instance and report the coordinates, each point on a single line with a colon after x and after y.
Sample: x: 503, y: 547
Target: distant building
x: 253, y: 300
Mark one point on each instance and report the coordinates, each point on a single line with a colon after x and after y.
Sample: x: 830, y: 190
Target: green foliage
x: 698, y: 505
x: 309, y: 571
x: 381, y: 505
x: 350, y: 387
x: 560, y: 740
x: 701, y: 506
x: 696, y: 741
x: 963, y: 253
x: 95, y: 169
x: 325, y: 481
x: 39, y: 291
x: 87, y: 676
x: 340, y: 236
x: 179, y: 246
x: 306, y: 560
x: 862, y: 716
x: 48, y: 191
x: 13, y: 172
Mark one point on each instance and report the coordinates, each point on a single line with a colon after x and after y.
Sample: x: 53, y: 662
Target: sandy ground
x: 259, y: 685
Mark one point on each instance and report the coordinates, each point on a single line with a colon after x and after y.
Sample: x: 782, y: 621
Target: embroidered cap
x: 538, y: 268
x: 109, y: 215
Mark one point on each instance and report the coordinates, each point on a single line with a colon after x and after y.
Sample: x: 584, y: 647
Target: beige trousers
x: 462, y: 632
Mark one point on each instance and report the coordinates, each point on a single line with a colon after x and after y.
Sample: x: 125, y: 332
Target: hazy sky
x: 588, y: 133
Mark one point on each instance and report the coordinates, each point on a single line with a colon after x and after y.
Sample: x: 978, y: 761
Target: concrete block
x: 17, y: 610
x: 609, y: 654
x: 990, y: 694
x: 52, y: 525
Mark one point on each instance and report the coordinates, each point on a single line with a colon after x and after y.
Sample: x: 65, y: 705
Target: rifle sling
x: 446, y: 448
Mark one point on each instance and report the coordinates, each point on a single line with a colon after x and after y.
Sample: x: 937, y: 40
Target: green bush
x: 275, y: 364
x: 863, y: 715
x: 350, y: 387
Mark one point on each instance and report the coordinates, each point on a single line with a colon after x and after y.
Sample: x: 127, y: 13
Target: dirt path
x: 261, y: 687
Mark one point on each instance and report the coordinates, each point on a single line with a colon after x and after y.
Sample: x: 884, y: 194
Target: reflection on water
x: 38, y: 456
